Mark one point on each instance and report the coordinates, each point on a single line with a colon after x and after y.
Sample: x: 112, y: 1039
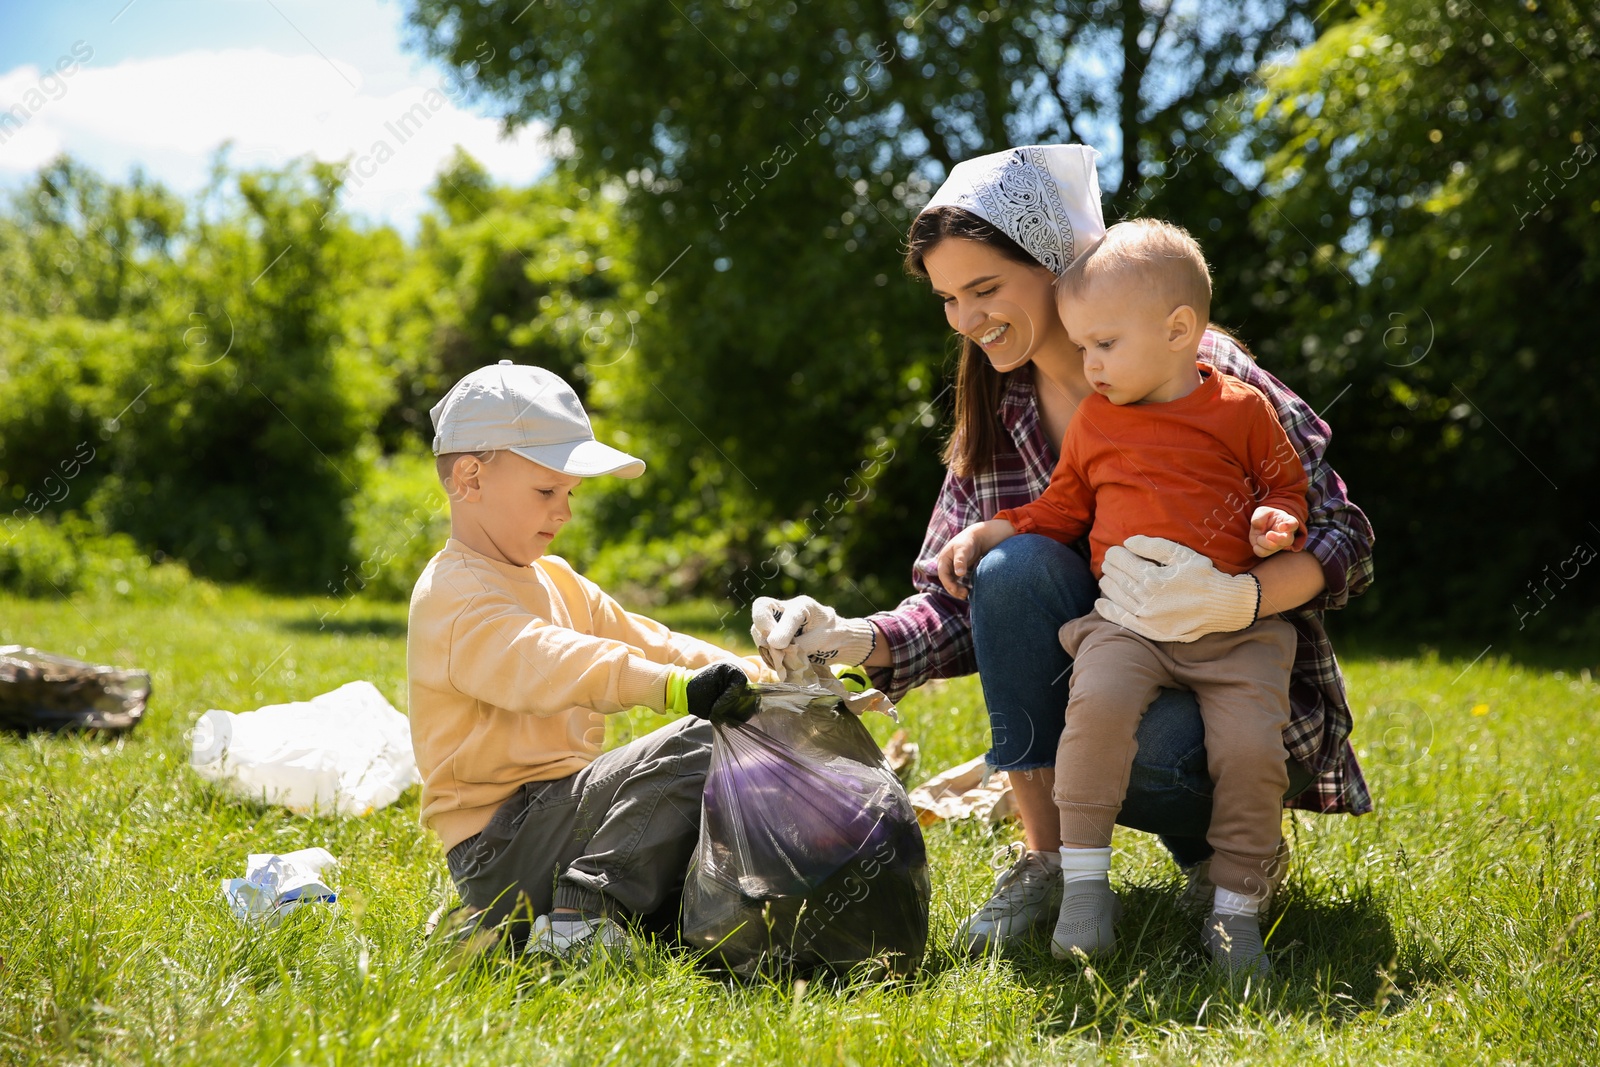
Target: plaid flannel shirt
x: 930, y: 633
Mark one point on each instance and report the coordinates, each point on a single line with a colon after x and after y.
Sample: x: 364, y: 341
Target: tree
x: 242, y: 381
x: 773, y: 157
x: 181, y: 373
x: 1433, y: 207
x: 533, y: 275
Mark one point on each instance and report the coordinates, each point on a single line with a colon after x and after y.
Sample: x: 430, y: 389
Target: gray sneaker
x: 1088, y: 919
x: 1199, y: 891
x: 1234, y: 942
x: 1026, y: 897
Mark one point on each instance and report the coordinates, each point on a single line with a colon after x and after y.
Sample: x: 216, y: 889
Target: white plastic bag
x: 275, y: 885
x: 859, y: 703
x: 346, y: 752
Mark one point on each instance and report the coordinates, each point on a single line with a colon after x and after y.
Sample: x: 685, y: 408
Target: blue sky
x: 166, y: 81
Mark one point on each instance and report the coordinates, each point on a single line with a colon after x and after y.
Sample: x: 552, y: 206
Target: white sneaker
x: 569, y: 938
x: 1025, y: 901
x: 1199, y: 890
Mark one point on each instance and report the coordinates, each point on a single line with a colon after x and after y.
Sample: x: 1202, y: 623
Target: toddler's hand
x: 1271, y: 530
x: 963, y: 551
x: 958, y: 553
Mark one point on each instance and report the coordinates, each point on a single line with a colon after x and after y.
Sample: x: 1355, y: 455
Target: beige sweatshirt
x: 512, y: 671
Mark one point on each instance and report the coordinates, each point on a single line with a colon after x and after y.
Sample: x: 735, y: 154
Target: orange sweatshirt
x: 512, y: 671
x: 1191, y: 470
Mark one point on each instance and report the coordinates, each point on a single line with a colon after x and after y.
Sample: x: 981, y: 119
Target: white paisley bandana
x: 1045, y: 197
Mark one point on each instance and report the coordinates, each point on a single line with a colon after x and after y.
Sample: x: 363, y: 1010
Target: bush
x: 401, y: 517
x: 212, y: 386
x: 45, y: 555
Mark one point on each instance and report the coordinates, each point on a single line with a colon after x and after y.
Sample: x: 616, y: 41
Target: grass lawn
x: 1457, y: 924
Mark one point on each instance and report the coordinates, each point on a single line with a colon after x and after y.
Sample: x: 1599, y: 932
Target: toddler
x: 1165, y: 447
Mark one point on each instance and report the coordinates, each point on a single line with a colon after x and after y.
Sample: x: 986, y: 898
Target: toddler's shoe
x: 1088, y: 918
x: 1234, y: 942
x: 1026, y: 897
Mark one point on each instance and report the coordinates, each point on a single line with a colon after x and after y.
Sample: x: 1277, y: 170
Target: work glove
x: 790, y: 632
x: 720, y: 693
x: 1164, y: 591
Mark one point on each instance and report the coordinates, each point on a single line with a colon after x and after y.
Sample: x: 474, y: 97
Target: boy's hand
x: 963, y: 551
x: 1271, y: 530
x: 720, y: 693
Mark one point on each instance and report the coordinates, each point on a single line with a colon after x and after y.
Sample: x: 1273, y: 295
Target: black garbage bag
x: 810, y: 856
x: 40, y: 691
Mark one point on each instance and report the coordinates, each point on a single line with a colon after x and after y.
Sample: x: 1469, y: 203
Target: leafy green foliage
x: 401, y: 518
x: 243, y: 382
x: 772, y: 158
x: 540, y: 275
x: 46, y: 557
x: 1433, y: 236
x: 190, y: 366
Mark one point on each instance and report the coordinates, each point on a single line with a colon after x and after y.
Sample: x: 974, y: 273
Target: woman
x: 990, y: 243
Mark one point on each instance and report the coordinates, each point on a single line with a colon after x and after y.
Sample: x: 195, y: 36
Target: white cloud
x: 168, y: 115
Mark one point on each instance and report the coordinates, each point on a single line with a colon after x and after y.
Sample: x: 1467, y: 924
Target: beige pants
x: 1241, y: 680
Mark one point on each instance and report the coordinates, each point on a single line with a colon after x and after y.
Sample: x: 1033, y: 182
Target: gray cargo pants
x: 614, y: 838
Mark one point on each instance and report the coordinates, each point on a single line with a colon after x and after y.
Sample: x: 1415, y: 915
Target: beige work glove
x: 1164, y: 591
x: 792, y: 633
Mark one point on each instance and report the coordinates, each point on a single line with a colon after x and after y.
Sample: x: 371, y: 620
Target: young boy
x: 1169, y: 448
x: 515, y: 660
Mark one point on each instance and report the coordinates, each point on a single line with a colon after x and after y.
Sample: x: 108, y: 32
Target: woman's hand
x: 1164, y: 591
x: 789, y: 633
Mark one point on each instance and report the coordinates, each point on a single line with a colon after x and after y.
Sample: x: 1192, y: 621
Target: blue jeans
x: 1022, y: 592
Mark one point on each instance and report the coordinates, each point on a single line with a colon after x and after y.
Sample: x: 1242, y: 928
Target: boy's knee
x: 693, y: 730
x: 687, y: 738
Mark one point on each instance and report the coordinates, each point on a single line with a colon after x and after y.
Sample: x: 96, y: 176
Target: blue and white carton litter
x: 275, y: 885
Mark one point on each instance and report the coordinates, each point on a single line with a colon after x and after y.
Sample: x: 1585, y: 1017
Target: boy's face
x: 1133, y: 350
x: 516, y: 505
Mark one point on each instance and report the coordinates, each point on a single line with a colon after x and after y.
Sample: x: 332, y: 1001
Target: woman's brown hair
x: 979, y: 386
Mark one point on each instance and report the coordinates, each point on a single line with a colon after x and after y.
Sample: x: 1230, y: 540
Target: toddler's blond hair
x: 1157, y: 254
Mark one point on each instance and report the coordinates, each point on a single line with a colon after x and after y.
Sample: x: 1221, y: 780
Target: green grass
x: 1458, y: 924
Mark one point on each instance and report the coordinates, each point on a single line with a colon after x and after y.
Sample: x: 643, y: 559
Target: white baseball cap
x: 529, y: 411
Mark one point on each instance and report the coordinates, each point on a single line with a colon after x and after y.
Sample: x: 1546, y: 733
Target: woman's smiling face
x: 1007, y: 308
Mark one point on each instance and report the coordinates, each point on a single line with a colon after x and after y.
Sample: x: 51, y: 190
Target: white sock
x: 1086, y: 864
x: 1227, y: 902
x: 1049, y: 857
